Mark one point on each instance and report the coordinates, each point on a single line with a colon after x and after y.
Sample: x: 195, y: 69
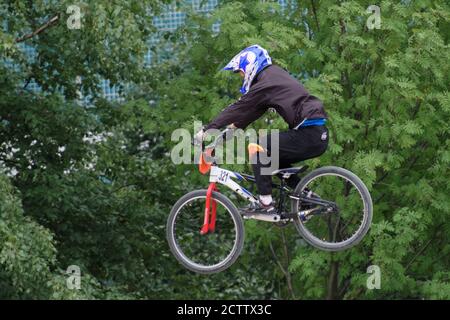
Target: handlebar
x: 207, y: 154
x: 221, y: 137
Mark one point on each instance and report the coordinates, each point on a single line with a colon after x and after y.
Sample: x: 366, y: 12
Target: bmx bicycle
x: 330, y: 207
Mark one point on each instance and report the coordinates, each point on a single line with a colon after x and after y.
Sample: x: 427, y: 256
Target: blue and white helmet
x: 251, y: 61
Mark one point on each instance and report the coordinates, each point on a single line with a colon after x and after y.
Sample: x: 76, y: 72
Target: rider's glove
x: 199, y: 137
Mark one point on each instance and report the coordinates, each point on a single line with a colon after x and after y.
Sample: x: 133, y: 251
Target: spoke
x: 339, y: 193
x: 211, y: 248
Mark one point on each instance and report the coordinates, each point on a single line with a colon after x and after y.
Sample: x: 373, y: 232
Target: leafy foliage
x: 92, y: 186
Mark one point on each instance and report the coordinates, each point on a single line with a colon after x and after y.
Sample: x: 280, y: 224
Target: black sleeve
x: 241, y: 113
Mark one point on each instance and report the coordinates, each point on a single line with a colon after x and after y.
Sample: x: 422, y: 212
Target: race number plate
x: 223, y: 176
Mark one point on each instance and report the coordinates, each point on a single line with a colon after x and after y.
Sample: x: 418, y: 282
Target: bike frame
x: 225, y: 177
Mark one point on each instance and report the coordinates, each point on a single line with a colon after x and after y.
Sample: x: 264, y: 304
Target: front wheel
x: 334, y: 208
x: 212, y: 252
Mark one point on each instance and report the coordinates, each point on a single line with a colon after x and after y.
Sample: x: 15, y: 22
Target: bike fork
x: 209, y: 222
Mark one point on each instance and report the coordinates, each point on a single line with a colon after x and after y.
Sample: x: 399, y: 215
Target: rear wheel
x: 214, y: 251
x: 334, y: 209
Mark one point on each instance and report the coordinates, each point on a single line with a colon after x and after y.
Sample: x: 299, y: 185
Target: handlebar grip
x: 223, y: 136
x: 196, y: 143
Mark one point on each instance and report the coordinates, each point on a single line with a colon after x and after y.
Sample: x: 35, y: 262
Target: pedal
x: 263, y: 217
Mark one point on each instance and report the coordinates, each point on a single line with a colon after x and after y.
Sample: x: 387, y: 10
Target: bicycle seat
x: 288, y: 172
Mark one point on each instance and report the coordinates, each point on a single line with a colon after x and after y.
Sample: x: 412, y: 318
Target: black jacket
x: 274, y: 88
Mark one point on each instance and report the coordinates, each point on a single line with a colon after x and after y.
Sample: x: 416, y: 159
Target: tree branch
x: 344, y: 287
x: 286, y: 253
x: 122, y: 187
x: 11, y: 162
x: 46, y: 25
x: 315, y: 15
x: 283, y: 270
x: 436, y: 234
x: 27, y: 82
x: 418, y: 254
x: 416, y: 108
x: 332, y: 286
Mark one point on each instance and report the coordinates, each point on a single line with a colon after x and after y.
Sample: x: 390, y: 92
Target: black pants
x: 294, y: 145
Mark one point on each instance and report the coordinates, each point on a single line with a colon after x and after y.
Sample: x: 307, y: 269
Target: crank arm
x: 263, y: 217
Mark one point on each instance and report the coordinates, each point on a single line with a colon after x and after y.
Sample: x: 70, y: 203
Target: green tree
x: 92, y: 185
x: 91, y: 176
x: 386, y: 92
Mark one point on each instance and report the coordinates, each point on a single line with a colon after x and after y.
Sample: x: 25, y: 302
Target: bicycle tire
x: 368, y: 209
x: 177, y: 252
